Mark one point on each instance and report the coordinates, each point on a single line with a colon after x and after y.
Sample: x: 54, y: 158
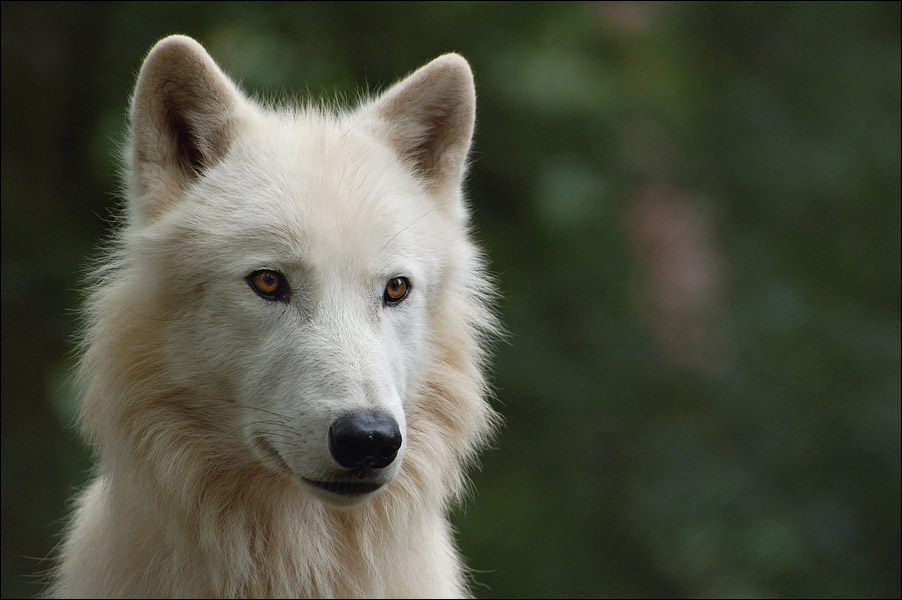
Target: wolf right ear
x: 183, y: 119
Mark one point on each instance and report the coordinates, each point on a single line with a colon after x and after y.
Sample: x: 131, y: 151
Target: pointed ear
x: 183, y: 119
x: 428, y: 119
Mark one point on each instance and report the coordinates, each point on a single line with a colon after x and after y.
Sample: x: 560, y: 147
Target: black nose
x: 364, y: 440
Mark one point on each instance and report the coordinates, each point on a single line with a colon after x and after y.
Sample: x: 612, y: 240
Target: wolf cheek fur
x: 284, y: 349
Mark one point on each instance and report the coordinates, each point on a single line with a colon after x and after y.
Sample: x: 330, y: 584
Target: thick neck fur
x: 253, y: 535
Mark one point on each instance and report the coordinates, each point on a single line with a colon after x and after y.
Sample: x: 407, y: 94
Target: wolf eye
x: 395, y: 291
x: 269, y: 285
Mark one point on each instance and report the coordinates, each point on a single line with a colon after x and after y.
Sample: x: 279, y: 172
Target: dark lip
x: 339, y: 487
x: 345, y: 488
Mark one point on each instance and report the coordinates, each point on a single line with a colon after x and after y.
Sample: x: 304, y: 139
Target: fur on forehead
x: 278, y: 189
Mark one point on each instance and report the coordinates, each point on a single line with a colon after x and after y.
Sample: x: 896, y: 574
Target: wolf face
x: 284, y: 346
x: 301, y: 258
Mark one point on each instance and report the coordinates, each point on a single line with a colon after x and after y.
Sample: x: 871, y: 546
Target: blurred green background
x: 694, y: 214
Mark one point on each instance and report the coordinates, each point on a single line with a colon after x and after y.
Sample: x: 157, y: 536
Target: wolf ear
x: 183, y: 118
x: 428, y: 119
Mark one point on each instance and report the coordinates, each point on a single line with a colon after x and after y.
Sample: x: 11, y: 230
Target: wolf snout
x: 364, y: 440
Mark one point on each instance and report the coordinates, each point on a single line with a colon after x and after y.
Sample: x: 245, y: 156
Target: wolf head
x: 296, y: 289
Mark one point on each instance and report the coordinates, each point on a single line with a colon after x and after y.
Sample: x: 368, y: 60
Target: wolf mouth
x: 339, y: 487
x: 345, y: 488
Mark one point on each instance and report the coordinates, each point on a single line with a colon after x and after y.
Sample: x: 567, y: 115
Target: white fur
x: 207, y: 404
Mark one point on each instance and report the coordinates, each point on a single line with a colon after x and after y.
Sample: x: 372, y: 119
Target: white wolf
x: 284, y: 350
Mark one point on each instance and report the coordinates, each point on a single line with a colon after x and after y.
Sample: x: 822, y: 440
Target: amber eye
x: 396, y: 290
x: 269, y: 284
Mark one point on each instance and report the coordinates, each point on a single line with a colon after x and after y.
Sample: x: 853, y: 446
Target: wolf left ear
x: 428, y: 119
x: 183, y: 119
